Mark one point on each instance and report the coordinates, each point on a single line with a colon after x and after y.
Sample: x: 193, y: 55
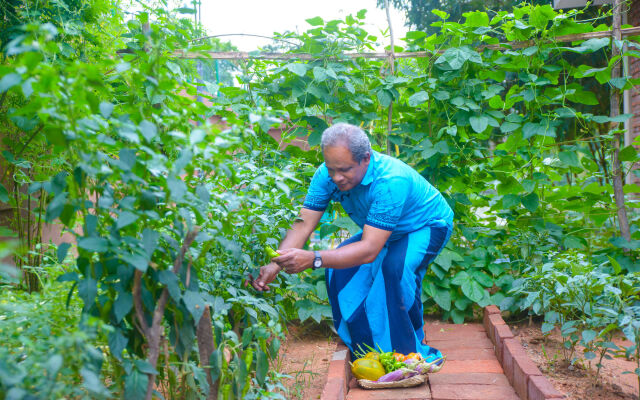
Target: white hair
x: 350, y: 135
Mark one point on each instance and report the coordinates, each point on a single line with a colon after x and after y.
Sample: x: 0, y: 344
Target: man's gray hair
x: 350, y: 135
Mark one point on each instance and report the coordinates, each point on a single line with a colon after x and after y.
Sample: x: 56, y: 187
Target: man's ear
x: 366, y: 158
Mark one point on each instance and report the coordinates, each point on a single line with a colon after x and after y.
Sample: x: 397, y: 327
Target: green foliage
x: 588, y: 303
x: 48, y: 349
x: 515, y: 138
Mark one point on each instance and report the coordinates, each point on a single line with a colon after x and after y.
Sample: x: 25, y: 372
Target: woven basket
x: 409, y: 382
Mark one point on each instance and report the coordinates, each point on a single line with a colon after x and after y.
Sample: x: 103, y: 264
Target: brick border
x: 522, y: 373
x: 337, y: 384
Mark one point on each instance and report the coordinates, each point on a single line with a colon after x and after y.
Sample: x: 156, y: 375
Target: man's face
x: 343, y: 170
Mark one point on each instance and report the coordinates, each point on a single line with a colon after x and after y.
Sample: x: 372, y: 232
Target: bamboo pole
x: 392, y: 62
x: 618, y: 178
x: 244, y: 55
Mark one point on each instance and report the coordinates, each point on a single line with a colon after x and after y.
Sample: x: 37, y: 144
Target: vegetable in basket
x: 397, y: 375
x: 367, y: 368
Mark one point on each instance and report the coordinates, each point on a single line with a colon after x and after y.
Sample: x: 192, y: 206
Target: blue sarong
x: 379, y: 304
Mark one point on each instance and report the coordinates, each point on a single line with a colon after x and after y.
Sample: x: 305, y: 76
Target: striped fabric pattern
x: 379, y: 304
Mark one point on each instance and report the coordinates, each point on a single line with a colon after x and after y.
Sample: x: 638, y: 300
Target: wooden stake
x: 618, y: 178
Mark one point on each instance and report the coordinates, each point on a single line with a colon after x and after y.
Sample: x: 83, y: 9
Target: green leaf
x: 106, y: 109
x: 570, y: 159
x: 473, y: 290
x: 629, y: 153
x: 460, y: 278
x: 144, y: 367
x: 97, y: 244
x: 509, y: 184
x: 126, y: 218
x: 194, y: 303
x: 619, y: 83
x: 541, y: 15
x: 546, y: 327
x: 441, y: 95
x: 589, y: 46
x: 418, y: 98
x: 476, y: 18
x: 186, y: 10
x: 63, y: 249
x: 262, y: 366
x: 170, y: 279
x: 510, y: 201
x: 4, y: 194
x: 531, y: 201
x: 177, y: 187
x: 87, y: 291
x: 319, y: 74
x: 348, y: 224
x: 315, y: 21
x: 457, y: 316
x: 573, y: 242
x: 446, y: 257
x: 53, y: 365
x: 384, y: 97
x: 617, y: 268
x: 135, y: 385
x: 298, y: 68
x: 443, y: 299
x: 482, y: 278
x: 8, y: 81
x: 587, y: 336
x: 148, y: 130
x: 117, y: 343
x: 122, y: 306
x: 479, y: 123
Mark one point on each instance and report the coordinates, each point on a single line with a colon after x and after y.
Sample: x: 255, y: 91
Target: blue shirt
x: 392, y: 196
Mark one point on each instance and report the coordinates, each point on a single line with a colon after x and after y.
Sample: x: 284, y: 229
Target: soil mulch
x: 305, y: 356
x: 577, y: 380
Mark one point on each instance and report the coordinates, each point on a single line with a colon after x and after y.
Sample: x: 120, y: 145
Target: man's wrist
x: 317, y: 261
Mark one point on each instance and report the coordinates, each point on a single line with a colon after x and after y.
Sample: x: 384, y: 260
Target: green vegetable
x: 271, y: 252
x: 388, y: 360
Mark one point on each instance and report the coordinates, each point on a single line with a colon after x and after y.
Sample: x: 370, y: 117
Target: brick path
x: 472, y: 371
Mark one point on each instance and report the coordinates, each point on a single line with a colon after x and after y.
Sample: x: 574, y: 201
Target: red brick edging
x: 337, y: 384
x: 522, y: 373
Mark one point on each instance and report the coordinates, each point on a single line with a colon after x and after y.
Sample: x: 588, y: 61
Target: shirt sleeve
x: 389, y: 200
x: 319, y: 193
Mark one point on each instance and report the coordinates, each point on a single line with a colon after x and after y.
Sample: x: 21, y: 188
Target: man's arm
x: 356, y: 253
x: 296, y: 237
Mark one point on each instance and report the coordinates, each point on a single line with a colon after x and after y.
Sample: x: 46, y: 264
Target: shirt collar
x: 369, y: 175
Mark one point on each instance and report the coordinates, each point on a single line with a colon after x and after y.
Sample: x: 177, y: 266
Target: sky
x: 263, y: 17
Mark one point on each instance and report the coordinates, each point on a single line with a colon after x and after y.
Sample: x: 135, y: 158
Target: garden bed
x: 304, y: 357
x: 577, y: 381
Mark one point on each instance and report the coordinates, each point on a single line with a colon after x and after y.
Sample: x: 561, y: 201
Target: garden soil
x: 305, y: 356
x: 577, y: 380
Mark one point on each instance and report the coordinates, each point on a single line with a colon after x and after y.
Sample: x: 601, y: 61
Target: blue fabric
x: 379, y: 304
x: 392, y: 196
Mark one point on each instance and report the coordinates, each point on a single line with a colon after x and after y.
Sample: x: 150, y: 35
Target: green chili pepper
x: 270, y: 252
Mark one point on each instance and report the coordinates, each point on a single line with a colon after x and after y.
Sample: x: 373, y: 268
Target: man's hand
x: 293, y: 261
x: 267, y: 274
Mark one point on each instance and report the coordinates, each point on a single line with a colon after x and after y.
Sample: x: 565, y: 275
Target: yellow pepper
x: 367, y: 368
x: 373, y: 355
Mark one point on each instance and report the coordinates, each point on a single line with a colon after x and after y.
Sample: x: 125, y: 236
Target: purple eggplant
x: 397, y: 375
x: 412, y: 363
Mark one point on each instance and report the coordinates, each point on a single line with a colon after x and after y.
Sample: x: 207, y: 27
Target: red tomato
x: 398, y: 357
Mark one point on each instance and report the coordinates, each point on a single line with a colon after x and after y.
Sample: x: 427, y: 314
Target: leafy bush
x: 48, y: 348
x: 588, y: 303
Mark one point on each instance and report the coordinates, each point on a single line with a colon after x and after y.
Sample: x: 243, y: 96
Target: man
x: 374, y: 279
